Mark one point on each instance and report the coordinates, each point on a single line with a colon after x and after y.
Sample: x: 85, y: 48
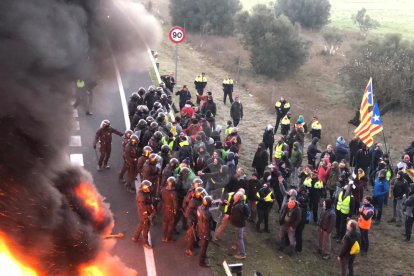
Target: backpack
x: 355, y: 249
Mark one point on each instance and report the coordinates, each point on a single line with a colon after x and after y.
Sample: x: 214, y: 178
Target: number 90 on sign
x: 177, y: 34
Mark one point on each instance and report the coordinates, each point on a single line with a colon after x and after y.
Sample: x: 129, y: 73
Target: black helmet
x: 174, y: 162
x: 207, y: 201
x: 135, y: 96
x: 197, y: 182
x: 151, y: 88
x: 153, y: 126
x: 165, y: 149
x: 142, y: 124
x: 156, y: 105
x: 141, y: 91
x: 145, y: 186
x: 149, y: 120
x: 184, y: 171
x: 153, y: 158
x: 159, y: 89
x: 164, y: 97
x: 134, y: 139
x: 158, y: 135
x: 171, y: 181
x: 161, y: 118
x: 147, y: 151
x: 200, y: 193
x: 145, y: 109
x: 105, y: 123
x: 162, y: 84
x: 128, y: 133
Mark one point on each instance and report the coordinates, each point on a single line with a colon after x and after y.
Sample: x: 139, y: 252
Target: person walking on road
x: 236, y: 111
x: 200, y: 84
x: 184, y: 96
x: 239, y: 213
x: 366, y: 212
x: 145, y: 208
x: 204, y: 222
x: 326, y: 224
x: 104, y: 137
x: 228, y: 84
x: 282, y: 107
x: 170, y: 206
x: 349, y: 249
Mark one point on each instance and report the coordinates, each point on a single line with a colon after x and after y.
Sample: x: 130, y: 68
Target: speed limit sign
x: 177, y: 34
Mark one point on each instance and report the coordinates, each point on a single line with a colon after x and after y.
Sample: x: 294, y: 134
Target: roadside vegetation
x: 330, y: 70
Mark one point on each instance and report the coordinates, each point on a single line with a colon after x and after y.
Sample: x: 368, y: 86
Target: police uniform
x: 228, y: 90
x: 104, y: 137
x: 170, y: 206
x: 145, y: 208
x: 282, y: 108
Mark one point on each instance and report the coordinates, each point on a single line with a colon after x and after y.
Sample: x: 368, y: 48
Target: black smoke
x: 45, y: 45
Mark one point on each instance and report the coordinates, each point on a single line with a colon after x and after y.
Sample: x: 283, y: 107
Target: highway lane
x: 169, y: 258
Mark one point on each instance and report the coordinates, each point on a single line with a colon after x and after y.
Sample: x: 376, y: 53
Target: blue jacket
x: 341, y: 152
x: 381, y: 188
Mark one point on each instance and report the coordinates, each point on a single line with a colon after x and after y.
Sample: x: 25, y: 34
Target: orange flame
x: 91, y: 199
x: 10, y: 266
x: 91, y: 271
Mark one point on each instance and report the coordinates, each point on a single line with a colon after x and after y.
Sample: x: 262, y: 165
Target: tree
x: 276, y: 47
x: 333, y: 39
x: 310, y: 14
x: 364, y: 21
x: 390, y: 63
x: 206, y: 16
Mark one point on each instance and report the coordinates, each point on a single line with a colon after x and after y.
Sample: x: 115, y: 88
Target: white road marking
x: 75, y: 141
x: 77, y: 127
x: 76, y: 159
x: 75, y: 113
x: 148, y: 253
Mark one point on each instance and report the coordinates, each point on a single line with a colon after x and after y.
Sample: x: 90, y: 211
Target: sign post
x: 176, y: 35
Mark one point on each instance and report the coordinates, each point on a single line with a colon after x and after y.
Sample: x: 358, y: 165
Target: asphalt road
x: 169, y: 258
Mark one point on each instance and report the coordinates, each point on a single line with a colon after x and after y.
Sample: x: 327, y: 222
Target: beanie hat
x: 340, y: 140
x: 291, y: 204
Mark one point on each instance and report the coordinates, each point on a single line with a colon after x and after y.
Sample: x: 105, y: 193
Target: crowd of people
x: 188, y: 163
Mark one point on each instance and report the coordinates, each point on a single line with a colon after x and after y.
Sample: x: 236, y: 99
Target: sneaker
x: 99, y: 168
x: 164, y: 240
x: 147, y: 245
x: 135, y: 239
x: 107, y: 167
x: 89, y: 113
x: 325, y: 257
x: 239, y: 257
x: 188, y: 252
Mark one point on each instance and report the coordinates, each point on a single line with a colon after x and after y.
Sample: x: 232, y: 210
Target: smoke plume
x: 45, y: 45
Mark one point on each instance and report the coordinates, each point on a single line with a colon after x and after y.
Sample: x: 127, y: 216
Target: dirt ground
x: 314, y: 90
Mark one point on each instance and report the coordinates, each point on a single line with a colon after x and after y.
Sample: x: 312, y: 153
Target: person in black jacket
x: 289, y: 220
x: 265, y: 199
x: 303, y: 201
x: 184, y: 96
x: 209, y: 105
x: 133, y: 103
x: 253, y: 185
x: 362, y: 159
x: 269, y: 140
x: 260, y: 160
x: 345, y: 258
x: 169, y: 81
x: 326, y: 224
x: 236, y: 111
x: 400, y: 189
x: 239, y: 213
x: 312, y: 152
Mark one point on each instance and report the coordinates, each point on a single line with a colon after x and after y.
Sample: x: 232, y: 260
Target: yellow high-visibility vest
x: 279, y: 104
x: 228, y: 81
x: 169, y: 143
x: 279, y: 150
x: 343, y: 204
x: 184, y: 143
x: 230, y: 195
x: 316, y: 125
x: 200, y: 79
x: 285, y: 120
x: 267, y: 198
x: 80, y: 83
x: 308, y: 183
